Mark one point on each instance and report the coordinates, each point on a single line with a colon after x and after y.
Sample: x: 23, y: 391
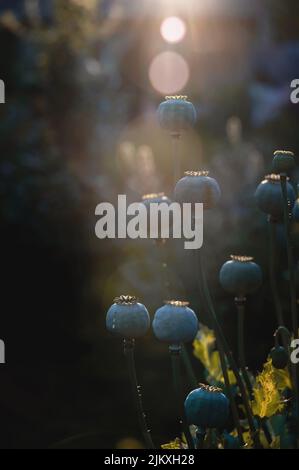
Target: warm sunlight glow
x: 173, y: 29
x: 169, y: 73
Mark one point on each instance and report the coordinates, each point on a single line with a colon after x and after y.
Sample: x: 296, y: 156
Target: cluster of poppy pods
x: 175, y: 323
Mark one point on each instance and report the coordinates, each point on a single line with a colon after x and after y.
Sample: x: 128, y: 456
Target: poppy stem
x: 188, y: 366
x: 290, y: 256
x: 286, y: 214
x: 240, y: 304
x: 200, y: 438
x: 175, y: 351
x: 229, y: 393
x: 175, y: 139
x: 272, y: 268
x: 129, y: 346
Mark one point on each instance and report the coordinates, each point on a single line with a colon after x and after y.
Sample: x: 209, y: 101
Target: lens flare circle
x: 173, y: 29
x: 169, y: 73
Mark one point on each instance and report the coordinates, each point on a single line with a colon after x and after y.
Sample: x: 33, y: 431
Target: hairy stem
x: 286, y: 213
x: 176, y: 375
x: 272, y: 268
x: 175, y: 139
x: 229, y: 393
x: 136, y: 390
x: 240, y: 303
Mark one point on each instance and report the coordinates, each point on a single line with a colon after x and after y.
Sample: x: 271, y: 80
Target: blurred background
x: 83, y: 79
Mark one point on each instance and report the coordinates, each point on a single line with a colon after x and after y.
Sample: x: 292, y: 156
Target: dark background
x: 79, y: 127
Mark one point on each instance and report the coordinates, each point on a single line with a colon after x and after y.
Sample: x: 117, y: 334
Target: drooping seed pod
x: 279, y: 356
x: 198, y: 186
x: 269, y: 196
x: 283, y: 161
x: 127, y: 318
x: 175, y: 323
x: 176, y: 114
x: 207, y: 407
x: 240, y: 276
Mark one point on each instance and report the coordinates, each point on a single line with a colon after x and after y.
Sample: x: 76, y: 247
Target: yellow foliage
x: 204, y: 350
x: 176, y: 444
x: 267, y: 390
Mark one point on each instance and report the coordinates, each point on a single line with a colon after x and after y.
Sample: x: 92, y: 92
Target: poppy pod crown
x: 125, y: 300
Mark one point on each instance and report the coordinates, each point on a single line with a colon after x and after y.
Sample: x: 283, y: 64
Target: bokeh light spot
x: 173, y: 29
x: 169, y: 72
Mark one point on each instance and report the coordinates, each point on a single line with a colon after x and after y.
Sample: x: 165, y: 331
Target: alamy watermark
x: 295, y: 93
x: 2, y: 352
x: 159, y: 220
x: 2, y: 92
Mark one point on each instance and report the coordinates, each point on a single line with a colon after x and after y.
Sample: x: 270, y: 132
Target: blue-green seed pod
x: 283, y: 161
x: 207, y: 407
x: 269, y: 197
x: 176, y: 114
x: 198, y: 186
x: 127, y: 318
x: 279, y: 356
x: 240, y: 276
x: 175, y: 323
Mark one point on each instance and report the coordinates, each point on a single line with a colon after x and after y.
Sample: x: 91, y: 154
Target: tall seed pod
x: 129, y: 319
x: 175, y: 323
x: 176, y: 115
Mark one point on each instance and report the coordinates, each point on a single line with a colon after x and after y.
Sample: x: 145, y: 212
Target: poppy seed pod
x: 175, y: 323
x: 127, y: 318
x: 240, y: 276
x: 207, y: 407
x: 269, y: 196
x: 279, y: 356
x: 283, y: 161
x: 176, y: 114
x: 197, y: 186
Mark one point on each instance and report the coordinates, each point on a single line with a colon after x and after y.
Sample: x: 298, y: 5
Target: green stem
x: 240, y: 304
x: 286, y: 214
x: 272, y: 269
x: 175, y: 351
x: 189, y: 369
x: 222, y: 340
x: 175, y: 139
x: 200, y: 438
x: 136, y: 390
x: 229, y: 393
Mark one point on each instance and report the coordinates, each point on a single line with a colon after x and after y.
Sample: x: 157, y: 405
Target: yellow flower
x: 176, y: 444
x: 267, y: 390
x: 204, y: 350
